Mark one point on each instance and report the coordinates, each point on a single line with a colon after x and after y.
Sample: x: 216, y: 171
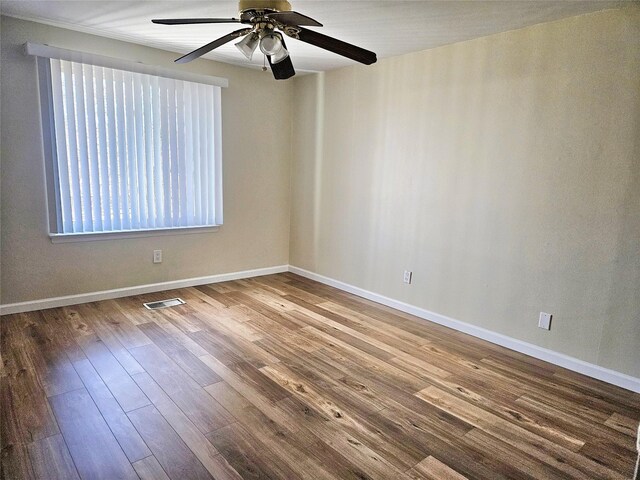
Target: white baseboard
x: 589, y: 369
x: 137, y: 290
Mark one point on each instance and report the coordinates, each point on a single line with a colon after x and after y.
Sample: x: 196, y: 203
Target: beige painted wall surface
x: 256, y: 182
x: 504, y: 171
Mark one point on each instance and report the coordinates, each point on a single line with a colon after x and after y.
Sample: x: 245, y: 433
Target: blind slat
x: 204, y: 151
x: 148, y: 139
x: 86, y: 208
x: 92, y: 148
x: 112, y: 149
x: 217, y: 148
x: 140, y: 154
x: 57, y: 94
x: 103, y: 157
x: 72, y: 150
x: 157, y: 153
x: 132, y: 164
x: 182, y: 168
x: 166, y: 151
x: 195, y: 138
x: 208, y: 175
x: 172, y: 128
x: 189, y: 154
x: 121, y: 151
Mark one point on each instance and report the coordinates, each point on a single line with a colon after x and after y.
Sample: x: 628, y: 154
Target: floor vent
x: 172, y: 302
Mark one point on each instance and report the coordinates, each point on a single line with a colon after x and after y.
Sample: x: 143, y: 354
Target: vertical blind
x: 133, y: 151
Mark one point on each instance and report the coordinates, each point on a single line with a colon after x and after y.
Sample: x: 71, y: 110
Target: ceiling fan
x: 266, y: 19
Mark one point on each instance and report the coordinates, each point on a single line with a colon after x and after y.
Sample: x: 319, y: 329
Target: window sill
x: 152, y: 232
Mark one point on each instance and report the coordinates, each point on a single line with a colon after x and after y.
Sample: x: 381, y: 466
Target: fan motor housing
x: 261, y: 5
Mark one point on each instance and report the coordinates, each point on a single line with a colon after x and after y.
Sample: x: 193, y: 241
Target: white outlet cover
x: 545, y: 320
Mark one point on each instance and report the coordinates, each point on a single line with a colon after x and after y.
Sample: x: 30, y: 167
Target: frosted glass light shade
x: 271, y: 43
x: 279, y: 56
x: 248, y: 44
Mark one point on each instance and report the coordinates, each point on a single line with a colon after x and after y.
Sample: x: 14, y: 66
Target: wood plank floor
x: 281, y: 377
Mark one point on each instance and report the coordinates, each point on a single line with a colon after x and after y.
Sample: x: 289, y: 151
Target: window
x: 129, y: 151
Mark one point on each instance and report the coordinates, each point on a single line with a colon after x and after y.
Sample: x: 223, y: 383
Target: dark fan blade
x: 293, y: 19
x: 333, y: 45
x: 284, y: 69
x: 188, y: 21
x: 210, y: 46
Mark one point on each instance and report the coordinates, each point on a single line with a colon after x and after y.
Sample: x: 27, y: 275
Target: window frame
x: 45, y: 52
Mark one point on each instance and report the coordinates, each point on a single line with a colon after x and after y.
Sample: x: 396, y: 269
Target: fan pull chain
x: 264, y: 63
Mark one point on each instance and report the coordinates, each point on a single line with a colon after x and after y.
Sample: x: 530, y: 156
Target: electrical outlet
x: 157, y: 256
x: 545, y: 321
x: 407, y: 276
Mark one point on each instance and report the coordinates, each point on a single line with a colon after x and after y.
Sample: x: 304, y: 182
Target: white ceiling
x: 387, y: 27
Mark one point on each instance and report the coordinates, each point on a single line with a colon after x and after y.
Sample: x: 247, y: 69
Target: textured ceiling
x: 387, y: 27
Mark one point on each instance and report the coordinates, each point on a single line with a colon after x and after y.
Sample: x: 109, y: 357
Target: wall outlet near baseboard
x: 407, y: 276
x: 157, y: 256
x: 545, y: 321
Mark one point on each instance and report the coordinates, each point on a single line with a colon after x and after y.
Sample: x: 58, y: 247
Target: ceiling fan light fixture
x: 271, y: 44
x: 248, y: 44
x: 263, y: 18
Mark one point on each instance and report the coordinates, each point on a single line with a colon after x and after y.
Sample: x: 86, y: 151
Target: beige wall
x: 504, y: 171
x: 256, y: 182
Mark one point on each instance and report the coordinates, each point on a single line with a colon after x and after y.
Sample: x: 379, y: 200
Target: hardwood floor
x: 282, y: 377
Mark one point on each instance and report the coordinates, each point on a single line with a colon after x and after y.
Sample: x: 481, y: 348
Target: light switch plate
x: 545, y: 321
